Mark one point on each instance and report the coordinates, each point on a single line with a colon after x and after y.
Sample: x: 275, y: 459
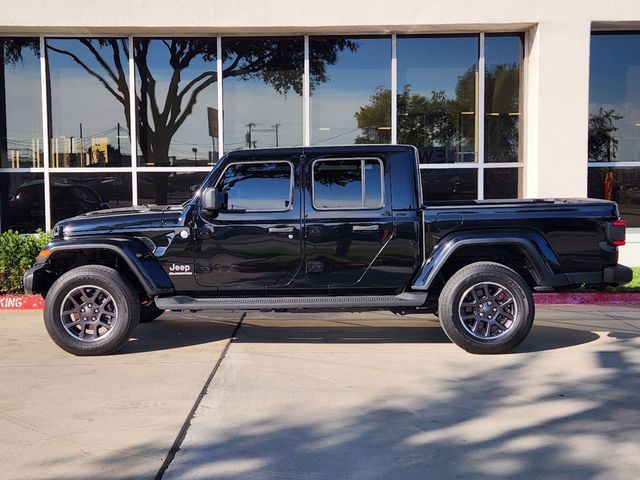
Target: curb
x: 21, y: 302
x: 36, y: 302
x: 580, y: 298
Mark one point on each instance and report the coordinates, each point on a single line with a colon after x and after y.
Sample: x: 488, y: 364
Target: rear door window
x: 347, y: 184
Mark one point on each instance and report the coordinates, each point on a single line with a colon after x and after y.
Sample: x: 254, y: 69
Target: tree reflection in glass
x: 175, y: 97
x: 257, y: 186
x: 88, y: 86
x: 339, y: 106
x: 437, y: 97
x: 614, y: 97
x: 503, y: 57
x: 20, y: 108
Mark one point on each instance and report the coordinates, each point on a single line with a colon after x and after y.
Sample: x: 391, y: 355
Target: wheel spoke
x: 73, y: 320
x: 507, y: 315
x: 104, y: 324
x: 485, y: 289
x: 487, y: 310
x: 83, y: 326
x: 508, y: 301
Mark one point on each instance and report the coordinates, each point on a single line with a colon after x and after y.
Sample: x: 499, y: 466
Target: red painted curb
x: 36, y: 302
x: 577, y: 298
x: 21, y: 302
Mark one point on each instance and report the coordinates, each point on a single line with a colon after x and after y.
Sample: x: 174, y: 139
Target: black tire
x: 149, y: 312
x: 461, y: 308
x: 122, y: 308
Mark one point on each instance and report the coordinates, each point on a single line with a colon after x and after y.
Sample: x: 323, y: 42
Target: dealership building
x: 112, y: 104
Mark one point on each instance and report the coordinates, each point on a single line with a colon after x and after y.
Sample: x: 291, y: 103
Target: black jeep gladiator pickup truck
x: 322, y: 229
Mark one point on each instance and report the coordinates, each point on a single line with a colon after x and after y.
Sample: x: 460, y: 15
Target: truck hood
x: 121, y: 220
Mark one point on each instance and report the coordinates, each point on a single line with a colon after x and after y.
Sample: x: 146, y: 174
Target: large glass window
x: 77, y: 193
x: 437, y: 83
x: 503, y: 57
x: 621, y: 185
x: 88, y: 102
x: 20, y: 105
x: 168, y: 188
x: 177, y: 103
x: 347, y: 184
x: 614, y: 98
x: 449, y: 184
x: 614, y: 121
x: 87, y: 87
x: 438, y: 101
x: 257, y: 187
x: 351, y: 93
x: 262, y: 92
x: 502, y: 183
x: 21, y: 202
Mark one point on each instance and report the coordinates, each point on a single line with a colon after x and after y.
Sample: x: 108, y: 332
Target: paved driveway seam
x: 177, y: 443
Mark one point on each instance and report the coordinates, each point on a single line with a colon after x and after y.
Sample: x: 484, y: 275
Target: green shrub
x: 17, y: 254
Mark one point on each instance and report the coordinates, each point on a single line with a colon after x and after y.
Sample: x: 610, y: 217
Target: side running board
x: 183, y: 302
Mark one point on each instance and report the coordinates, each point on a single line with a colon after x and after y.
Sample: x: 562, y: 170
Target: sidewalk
x: 325, y: 396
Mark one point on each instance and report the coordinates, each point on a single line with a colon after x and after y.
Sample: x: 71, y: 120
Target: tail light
x: 615, y: 232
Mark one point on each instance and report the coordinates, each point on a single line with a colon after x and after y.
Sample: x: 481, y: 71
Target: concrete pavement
x: 109, y: 417
x: 355, y: 396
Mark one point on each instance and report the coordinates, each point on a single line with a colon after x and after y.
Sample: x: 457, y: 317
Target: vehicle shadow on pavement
x: 176, y: 331
x: 409, y: 330
x: 487, y: 422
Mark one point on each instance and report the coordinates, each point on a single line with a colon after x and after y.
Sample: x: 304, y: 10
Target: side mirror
x: 211, y: 199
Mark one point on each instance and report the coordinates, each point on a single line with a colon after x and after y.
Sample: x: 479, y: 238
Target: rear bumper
x: 617, y: 275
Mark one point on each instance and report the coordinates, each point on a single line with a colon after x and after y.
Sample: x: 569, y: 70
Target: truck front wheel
x: 91, y: 310
x: 486, y: 307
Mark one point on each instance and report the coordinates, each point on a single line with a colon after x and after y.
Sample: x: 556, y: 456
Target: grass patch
x: 635, y: 281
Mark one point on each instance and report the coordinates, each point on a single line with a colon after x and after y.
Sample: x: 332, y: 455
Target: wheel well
x: 511, y: 256
x: 62, y: 262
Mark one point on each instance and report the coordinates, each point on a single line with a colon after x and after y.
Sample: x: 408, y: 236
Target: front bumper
x: 31, y: 279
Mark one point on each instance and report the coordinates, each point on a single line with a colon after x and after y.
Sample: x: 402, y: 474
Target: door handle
x: 280, y: 229
x: 366, y: 228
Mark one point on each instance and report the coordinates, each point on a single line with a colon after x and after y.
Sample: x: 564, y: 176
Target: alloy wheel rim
x: 89, y: 313
x: 488, y: 310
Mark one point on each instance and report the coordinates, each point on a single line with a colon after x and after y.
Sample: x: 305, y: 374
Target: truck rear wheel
x: 91, y: 310
x: 486, y: 307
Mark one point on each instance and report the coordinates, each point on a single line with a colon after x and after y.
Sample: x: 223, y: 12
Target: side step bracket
x: 183, y: 302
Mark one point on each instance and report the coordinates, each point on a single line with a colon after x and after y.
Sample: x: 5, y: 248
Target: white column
x: 306, y: 97
x: 480, y: 117
x: 45, y: 134
x: 394, y: 90
x: 219, y: 71
x: 556, y: 109
x: 133, y: 130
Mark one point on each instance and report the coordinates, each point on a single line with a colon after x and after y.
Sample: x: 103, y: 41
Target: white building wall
x: 556, y: 72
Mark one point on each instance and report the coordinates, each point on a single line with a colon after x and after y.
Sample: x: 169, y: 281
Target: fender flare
x: 152, y: 277
x: 536, y: 249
